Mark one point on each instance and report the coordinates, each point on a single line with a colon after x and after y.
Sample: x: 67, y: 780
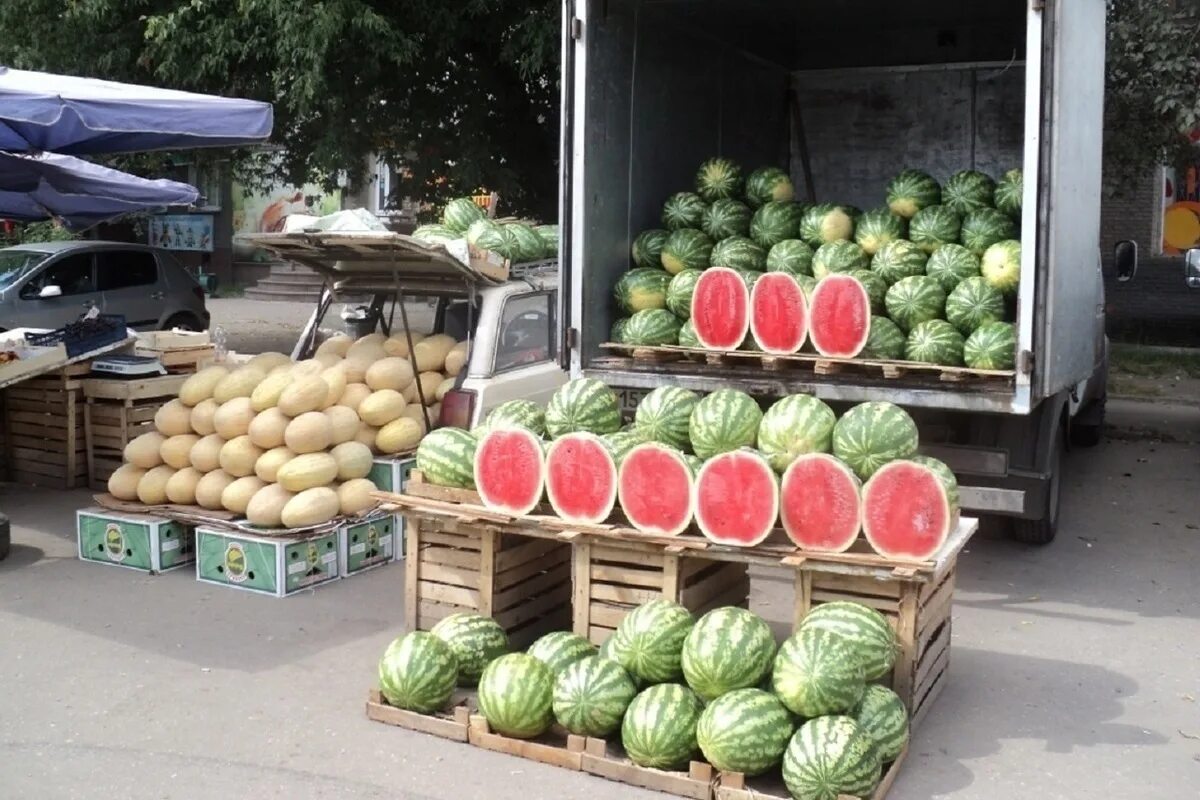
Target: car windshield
x: 16, y: 264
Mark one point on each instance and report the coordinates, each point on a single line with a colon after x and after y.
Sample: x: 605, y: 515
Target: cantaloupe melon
x: 175, y: 451
x: 210, y: 488
x: 311, y: 432
x: 268, y: 464
x: 443, y: 387
x: 343, y: 423
x: 370, y: 342
x: 389, y: 373
x: 266, y: 430
x: 306, y: 393
x: 366, y: 435
x: 337, y: 344
x: 399, y: 436
x: 173, y: 418
x: 282, y: 368
x: 356, y: 368
x: 239, y: 455
x: 307, y: 368
x: 239, y: 383
x: 429, y: 382
x: 202, y: 417
x: 397, y: 343
x: 152, y: 488
x: 237, y: 495
x: 181, y: 488
x: 354, y: 394
x: 123, y: 483
x: 328, y: 359
x: 456, y: 359
x: 266, y: 394
x: 354, y: 460
x: 144, y: 451
x: 355, y: 496
x: 414, y: 412
x: 306, y: 471
x: 200, y: 386
x: 381, y: 407
x: 430, y: 355
x: 265, y: 362
x: 310, y: 507
x: 205, y: 455
x: 233, y: 418
x: 335, y: 378
x: 265, y: 509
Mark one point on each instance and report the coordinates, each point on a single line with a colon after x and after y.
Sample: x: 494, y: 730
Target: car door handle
x: 157, y: 295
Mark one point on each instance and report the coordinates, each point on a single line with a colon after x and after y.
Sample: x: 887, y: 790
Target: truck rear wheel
x: 5, y: 537
x: 1043, y: 529
x: 1087, y: 429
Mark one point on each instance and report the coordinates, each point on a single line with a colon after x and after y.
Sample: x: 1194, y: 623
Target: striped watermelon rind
x: 882, y: 716
x: 839, y: 256
x: 877, y: 227
x: 686, y: 248
x: 952, y: 264
x: 647, y: 248
x: 621, y: 442
x: 641, y: 288
x: 968, y: 190
x: 679, y: 292
x: 728, y: 648
x: 829, y: 757
x: 591, y: 696
x: 935, y: 227
x: 897, y: 260
x: 659, y: 729
x: 817, y: 673
x: 476, y: 641
x: 648, y: 642
x: 1001, y: 266
x: 984, y: 227
x: 519, y: 412
x: 723, y: 421
x: 993, y: 345
x: 460, y: 213
x: 935, y: 341
x: 885, y: 341
x: 793, y: 256
x: 876, y: 289
x: 528, y: 245
x: 944, y: 473
x: 740, y: 253
x: 482, y: 232
x: 745, y: 731
x: 688, y: 337
x: 683, y: 210
x: 584, y: 404
x: 718, y: 179
x: 617, y: 332
x: 516, y: 693
x: 652, y: 327
x: 913, y: 300
x: 446, y: 457
x: 867, y: 633
x: 549, y: 236
x: 910, y: 191
x: 794, y: 426
x: 664, y: 415
x: 871, y: 434
x: 418, y: 672
x: 435, y: 234
x: 560, y: 649
x: 973, y: 303
x: 767, y: 184
x: 1010, y: 190
x: 825, y: 222
x: 725, y: 218
x: 775, y: 222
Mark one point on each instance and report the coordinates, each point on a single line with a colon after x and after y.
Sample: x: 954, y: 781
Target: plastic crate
x: 86, y: 344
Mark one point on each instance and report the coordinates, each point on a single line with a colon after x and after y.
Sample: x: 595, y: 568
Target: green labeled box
x: 274, y: 565
x: 136, y: 541
x: 368, y: 543
x: 391, y: 475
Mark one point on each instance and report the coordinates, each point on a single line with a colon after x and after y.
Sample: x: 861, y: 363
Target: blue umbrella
x: 81, y: 116
x: 79, y: 193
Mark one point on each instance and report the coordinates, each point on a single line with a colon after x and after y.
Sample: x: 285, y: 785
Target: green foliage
x: 36, y: 232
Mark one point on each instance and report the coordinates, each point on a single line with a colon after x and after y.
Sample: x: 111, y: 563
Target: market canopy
x: 79, y: 193
x: 81, y: 116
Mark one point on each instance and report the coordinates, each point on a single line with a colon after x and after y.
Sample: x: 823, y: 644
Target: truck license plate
x: 629, y: 398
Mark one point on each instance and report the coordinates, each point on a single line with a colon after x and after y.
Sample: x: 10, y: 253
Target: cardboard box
x: 391, y: 475
x: 272, y: 565
x: 368, y: 543
x: 135, y: 541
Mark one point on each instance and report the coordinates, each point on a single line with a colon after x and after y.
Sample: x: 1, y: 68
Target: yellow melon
x: 233, y: 418
x: 335, y: 378
x: 311, y: 432
x: 337, y: 344
x: 237, y: 495
x: 306, y: 393
x: 389, y: 373
x: 366, y: 435
x: 266, y: 507
x: 265, y: 362
x: 429, y: 381
x: 206, y: 453
x: 268, y: 464
x: 239, y: 455
x: 181, y: 488
x: 356, y: 368
x: 354, y: 460
x: 200, y: 386
x: 456, y: 359
x: 266, y: 394
x: 145, y: 450
x: 354, y: 394
x: 210, y: 488
x: 239, y: 383
x: 414, y: 412
x: 397, y: 344
x: 152, y: 488
x: 430, y: 354
x: 343, y: 423
x: 307, y: 368
x: 399, y: 436
x: 444, y: 387
x: 266, y: 430
x: 328, y: 359
x: 306, y: 471
x: 173, y: 418
x: 202, y: 417
x: 354, y: 496
x: 175, y: 451
x: 381, y: 407
x: 369, y: 343
x: 310, y: 507
x: 123, y: 483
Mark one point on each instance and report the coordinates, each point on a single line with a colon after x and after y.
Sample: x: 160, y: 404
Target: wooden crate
x: 450, y: 724
x: 116, y: 412
x: 736, y: 786
x: 44, y: 429
x: 180, y: 352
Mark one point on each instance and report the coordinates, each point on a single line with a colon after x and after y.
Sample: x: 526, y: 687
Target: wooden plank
x: 736, y: 595
x: 524, y: 612
x: 866, y: 587
x: 429, y: 614
x: 630, y: 595
x: 451, y: 557
x: 488, y: 541
x: 605, y: 573
x: 453, y: 576
x: 932, y: 661
x: 614, y: 767
x: 443, y: 593
x: 598, y: 634
x: 521, y: 637
x: 552, y: 559
x: 698, y: 594
x: 626, y: 557
x: 527, y: 551
x: 165, y: 386
x: 581, y: 581
x: 736, y: 786
x: 412, y: 576
x: 607, y: 615
x: 906, y: 634
x: 453, y: 726
x: 451, y: 540
x: 802, y: 584
x: 559, y: 576
x: 565, y: 751
x: 883, y: 605
x: 28, y: 455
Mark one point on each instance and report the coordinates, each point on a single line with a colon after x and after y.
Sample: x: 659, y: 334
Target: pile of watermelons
x: 521, y: 242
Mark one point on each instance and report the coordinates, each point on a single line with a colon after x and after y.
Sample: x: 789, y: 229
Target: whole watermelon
x: 1001, y: 266
x: 993, y: 345
x: 817, y: 673
x: 983, y: 228
x: 460, y: 213
x: 483, y: 232
x: 898, y: 259
x: 935, y: 227
x: 652, y: 327
x: 725, y: 218
x: 935, y: 341
x: 877, y: 227
x: 686, y: 248
x: 885, y: 340
x: 648, y: 246
x: 913, y: 300
x: 912, y: 190
x: 825, y: 222
x: 641, y: 288
x: 839, y: 256
x: 529, y: 245
x: 683, y: 210
x: 1010, y: 190
x: 866, y: 631
x: 687, y: 336
x: 591, y: 696
x: 830, y: 757
x: 745, y: 731
x: 968, y: 190
x: 521, y: 412
x: 973, y: 303
x: 617, y: 332
x: 418, y: 672
x: 560, y: 649
x: 774, y: 222
x: 724, y: 421
x: 664, y: 415
x: 446, y: 457
x: 794, y: 426
x: 549, y: 236
x: 792, y: 256
x: 476, y: 641
x: 516, y: 694
x: 952, y: 264
x: 621, y: 442
x: 648, y: 642
x: 718, y: 179
x: 882, y: 716
x: 659, y: 729
x: 728, y: 648
x: 679, y: 292
x: 871, y: 434
x: 435, y: 234
x: 768, y: 184
x: 740, y: 253
x: 876, y: 289
x: 584, y: 404
x: 945, y: 475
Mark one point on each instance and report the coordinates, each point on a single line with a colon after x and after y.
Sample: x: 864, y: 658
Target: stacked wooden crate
x: 44, y: 442
x: 116, y: 412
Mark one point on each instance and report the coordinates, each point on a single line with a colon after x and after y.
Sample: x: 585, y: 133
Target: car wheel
x: 184, y: 322
x: 1043, y: 530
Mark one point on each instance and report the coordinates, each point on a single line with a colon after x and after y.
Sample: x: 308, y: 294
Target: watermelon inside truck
x: 842, y: 97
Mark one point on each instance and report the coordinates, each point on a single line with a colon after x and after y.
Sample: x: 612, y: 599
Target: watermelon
x: 744, y: 731
x: 935, y: 227
x: 504, y: 242
x: 794, y: 426
x: 641, y: 288
x: 679, y: 293
x: 446, y: 457
x: 522, y: 413
x: 866, y: 631
x: 792, y: 256
x: 728, y: 648
x: 819, y: 503
x: 516, y: 695
x: 951, y: 264
x: 807, y: 284
x: 973, y: 303
x: 876, y: 288
x: 723, y: 421
x: 652, y: 327
x: 621, y: 442
x: 584, y: 404
x: 686, y: 248
x: 476, y: 641
x: 935, y: 341
x: 1001, y: 266
x: 659, y: 729
x: 581, y: 478
x: 839, y: 316
x: 688, y: 337
x: 817, y: 673
x: 885, y: 341
x: 877, y: 227
x: 510, y: 470
x: 897, y: 260
x: 560, y: 649
x: 528, y: 245
x: 984, y: 227
x: 912, y: 190
x: 617, y: 332
x: 839, y: 256
x: 740, y: 253
x: 1009, y: 193
x: 768, y: 184
x: 435, y: 234
x: 830, y: 757
x: 418, y: 672
x: 913, y: 300
x: 968, y: 190
x: 824, y: 223
x: 648, y: 246
x: 683, y: 210
x: 778, y: 314
x: 882, y: 716
x: 591, y: 695
x: 871, y: 434
x: 482, y: 233
x: 775, y: 222
x: 736, y: 498
x: 460, y: 213
x: 549, y: 236
x: 944, y: 473
x: 721, y: 309
x: 654, y: 489
x: 907, y: 511
x: 664, y: 415
x: 726, y: 218
x: 718, y: 179
x: 993, y: 345
x: 648, y: 642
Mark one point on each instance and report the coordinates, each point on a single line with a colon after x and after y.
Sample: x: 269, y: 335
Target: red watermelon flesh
x: 839, y: 316
x: 778, y: 313
x: 819, y: 503
x: 736, y: 498
x: 510, y: 470
x: 906, y: 513
x: 581, y: 478
x: 721, y: 309
x: 654, y: 489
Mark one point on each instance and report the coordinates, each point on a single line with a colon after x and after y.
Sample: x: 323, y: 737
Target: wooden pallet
x: 180, y: 352
x: 451, y: 724
x: 45, y: 439
x: 736, y: 786
x: 118, y: 411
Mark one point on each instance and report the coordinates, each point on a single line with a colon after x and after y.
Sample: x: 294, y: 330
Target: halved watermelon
x: 819, y: 503
x: 907, y: 512
x: 510, y: 470
x: 721, y: 309
x: 778, y: 313
x: 736, y: 498
x: 581, y: 477
x: 839, y: 316
x: 654, y: 488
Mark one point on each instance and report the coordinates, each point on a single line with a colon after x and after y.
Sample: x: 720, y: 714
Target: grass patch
x: 1152, y: 362
x: 229, y: 291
